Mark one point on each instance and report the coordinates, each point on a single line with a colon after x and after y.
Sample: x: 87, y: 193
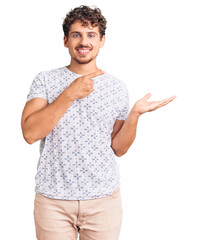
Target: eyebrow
x: 80, y: 33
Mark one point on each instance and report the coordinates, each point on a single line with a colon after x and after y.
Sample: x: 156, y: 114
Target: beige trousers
x: 94, y: 219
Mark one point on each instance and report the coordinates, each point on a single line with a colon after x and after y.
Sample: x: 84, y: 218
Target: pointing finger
x: 95, y: 74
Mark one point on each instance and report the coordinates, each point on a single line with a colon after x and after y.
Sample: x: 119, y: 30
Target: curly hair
x: 86, y: 15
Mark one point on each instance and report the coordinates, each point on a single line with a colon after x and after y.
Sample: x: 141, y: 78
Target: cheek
x: 72, y: 49
x: 96, y: 47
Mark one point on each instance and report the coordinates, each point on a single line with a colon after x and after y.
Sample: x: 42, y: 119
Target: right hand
x: 83, y: 86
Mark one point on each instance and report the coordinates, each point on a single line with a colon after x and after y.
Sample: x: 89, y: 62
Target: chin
x: 80, y: 61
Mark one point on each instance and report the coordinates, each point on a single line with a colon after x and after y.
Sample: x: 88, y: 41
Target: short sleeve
x: 124, y: 104
x: 38, y: 87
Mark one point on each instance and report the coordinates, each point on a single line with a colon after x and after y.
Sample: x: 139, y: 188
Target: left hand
x: 142, y: 105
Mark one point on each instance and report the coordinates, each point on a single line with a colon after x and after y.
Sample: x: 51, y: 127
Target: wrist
x: 135, y: 113
x: 70, y: 94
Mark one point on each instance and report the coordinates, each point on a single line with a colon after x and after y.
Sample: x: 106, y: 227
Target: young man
x: 81, y: 115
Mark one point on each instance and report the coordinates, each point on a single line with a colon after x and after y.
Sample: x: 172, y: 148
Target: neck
x: 82, y: 69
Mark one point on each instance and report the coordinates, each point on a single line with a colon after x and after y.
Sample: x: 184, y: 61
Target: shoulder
x: 54, y: 76
x: 52, y: 72
x: 117, y: 82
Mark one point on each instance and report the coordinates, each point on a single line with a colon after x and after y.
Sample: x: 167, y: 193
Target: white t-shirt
x: 76, y: 159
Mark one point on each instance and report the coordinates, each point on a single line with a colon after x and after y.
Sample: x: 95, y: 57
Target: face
x: 83, y: 42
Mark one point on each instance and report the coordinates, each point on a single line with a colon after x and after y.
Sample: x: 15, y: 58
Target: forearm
x: 39, y: 124
x: 126, y: 136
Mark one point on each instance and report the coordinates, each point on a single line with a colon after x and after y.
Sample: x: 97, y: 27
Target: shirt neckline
x: 76, y: 74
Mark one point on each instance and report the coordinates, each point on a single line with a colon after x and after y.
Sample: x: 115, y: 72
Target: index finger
x: 95, y: 74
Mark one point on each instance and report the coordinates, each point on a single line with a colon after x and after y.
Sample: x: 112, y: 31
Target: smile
x: 83, y: 51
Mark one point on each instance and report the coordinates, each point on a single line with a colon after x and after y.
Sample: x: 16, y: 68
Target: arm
x: 126, y: 136
x: 38, y: 119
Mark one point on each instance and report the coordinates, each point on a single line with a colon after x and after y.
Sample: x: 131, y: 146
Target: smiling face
x: 83, y: 42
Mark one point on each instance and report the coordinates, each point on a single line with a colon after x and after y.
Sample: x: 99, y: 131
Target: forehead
x: 77, y: 26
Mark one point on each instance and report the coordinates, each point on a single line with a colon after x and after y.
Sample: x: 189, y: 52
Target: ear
x: 65, y: 41
x: 102, y: 42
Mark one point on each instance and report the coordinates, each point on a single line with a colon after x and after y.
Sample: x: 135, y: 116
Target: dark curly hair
x: 85, y: 15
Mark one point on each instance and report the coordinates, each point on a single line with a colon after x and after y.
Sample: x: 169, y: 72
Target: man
x: 81, y: 115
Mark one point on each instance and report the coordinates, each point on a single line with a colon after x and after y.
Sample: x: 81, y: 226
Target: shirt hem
x: 76, y: 198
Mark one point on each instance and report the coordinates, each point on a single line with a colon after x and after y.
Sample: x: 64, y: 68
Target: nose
x: 84, y: 40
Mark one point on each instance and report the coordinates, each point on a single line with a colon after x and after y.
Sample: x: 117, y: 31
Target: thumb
x: 147, y: 96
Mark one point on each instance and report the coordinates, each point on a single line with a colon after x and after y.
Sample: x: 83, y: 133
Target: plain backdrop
x: 151, y: 46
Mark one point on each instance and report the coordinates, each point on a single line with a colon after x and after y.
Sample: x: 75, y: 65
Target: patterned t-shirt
x: 76, y: 159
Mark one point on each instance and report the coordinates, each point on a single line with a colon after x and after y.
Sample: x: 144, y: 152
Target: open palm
x: 142, y: 105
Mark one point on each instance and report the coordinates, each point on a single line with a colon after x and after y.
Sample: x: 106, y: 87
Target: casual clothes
x: 99, y: 219
x: 76, y: 159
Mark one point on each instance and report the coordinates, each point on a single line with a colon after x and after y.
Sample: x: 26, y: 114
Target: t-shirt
x: 76, y: 160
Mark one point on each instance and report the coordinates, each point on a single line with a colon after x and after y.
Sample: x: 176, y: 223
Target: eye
x: 91, y: 35
x: 76, y: 35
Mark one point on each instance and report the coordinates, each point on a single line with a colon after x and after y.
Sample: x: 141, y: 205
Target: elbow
x: 119, y: 153
x: 27, y: 133
x: 29, y: 140
x: 28, y: 137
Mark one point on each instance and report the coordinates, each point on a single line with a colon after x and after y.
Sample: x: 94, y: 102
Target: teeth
x: 83, y: 51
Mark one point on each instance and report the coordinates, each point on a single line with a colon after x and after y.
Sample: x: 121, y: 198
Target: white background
x: 151, y: 46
